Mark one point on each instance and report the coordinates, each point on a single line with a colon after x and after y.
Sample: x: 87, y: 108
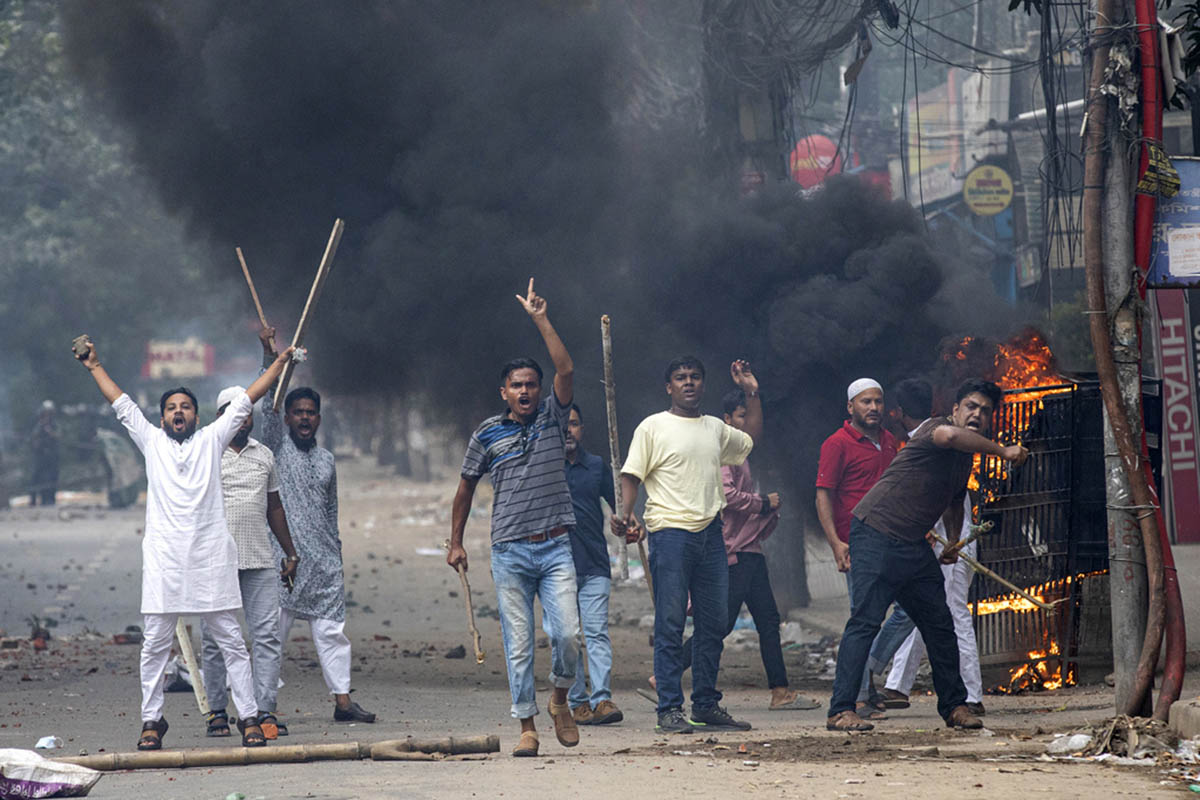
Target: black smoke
x: 470, y: 145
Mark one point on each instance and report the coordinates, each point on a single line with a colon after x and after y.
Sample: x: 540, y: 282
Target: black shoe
x: 976, y: 709
x: 352, y: 713
x: 672, y: 721
x: 716, y: 719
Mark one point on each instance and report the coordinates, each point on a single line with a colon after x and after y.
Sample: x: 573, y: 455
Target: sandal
x: 252, y: 734
x: 152, y: 733
x: 847, y: 721
x: 272, y: 728
x: 869, y: 711
x: 218, y: 723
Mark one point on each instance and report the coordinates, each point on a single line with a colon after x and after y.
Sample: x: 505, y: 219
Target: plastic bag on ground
x: 24, y: 773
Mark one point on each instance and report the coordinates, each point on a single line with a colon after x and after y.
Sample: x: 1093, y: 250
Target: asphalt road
x: 81, y: 567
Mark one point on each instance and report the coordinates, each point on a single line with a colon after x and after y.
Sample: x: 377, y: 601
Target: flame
x: 1045, y: 671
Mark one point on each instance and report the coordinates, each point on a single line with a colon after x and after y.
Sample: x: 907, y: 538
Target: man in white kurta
x: 189, y: 559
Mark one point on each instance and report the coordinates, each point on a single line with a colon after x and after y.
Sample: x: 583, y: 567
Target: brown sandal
x: 847, y: 721
x: 152, y: 733
x: 869, y: 711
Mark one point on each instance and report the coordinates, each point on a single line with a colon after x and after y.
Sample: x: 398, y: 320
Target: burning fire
x: 1043, y: 672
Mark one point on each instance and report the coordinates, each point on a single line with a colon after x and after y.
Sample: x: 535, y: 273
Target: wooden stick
x: 390, y: 750
x: 477, y: 640
x: 614, y: 445
x: 305, y: 316
x: 976, y: 530
x: 614, y: 448
x: 250, y: 282
x: 193, y: 667
x: 982, y: 570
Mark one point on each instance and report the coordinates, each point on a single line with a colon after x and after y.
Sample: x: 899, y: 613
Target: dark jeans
x: 683, y: 562
x: 750, y: 583
x: 884, y: 569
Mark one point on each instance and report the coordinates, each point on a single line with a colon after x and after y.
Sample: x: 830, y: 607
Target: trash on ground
x: 48, y: 743
x: 456, y: 652
x: 24, y: 773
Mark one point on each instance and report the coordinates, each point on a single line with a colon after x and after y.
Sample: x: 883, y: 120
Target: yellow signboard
x: 987, y: 190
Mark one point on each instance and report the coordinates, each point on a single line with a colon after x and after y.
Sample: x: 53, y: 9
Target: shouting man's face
x: 974, y: 412
x: 522, y: 391
x: 686, y: 388
x: 179, y: 417
x: 303, y: 419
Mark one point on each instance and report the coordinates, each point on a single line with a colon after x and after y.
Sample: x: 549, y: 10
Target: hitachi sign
x: 1177, y: 388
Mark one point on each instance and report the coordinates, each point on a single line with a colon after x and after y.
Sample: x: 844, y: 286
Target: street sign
x: 987, y: 190
x: 1175, y: 251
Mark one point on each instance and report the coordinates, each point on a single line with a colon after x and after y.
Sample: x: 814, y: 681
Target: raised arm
x: 966, y: 441
x: 269, y: 377
x: 108, y: 387
x: 746, y: 381
x: 564, y: 369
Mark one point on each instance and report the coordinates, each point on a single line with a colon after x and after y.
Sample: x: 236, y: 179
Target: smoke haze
x: 469, y: 145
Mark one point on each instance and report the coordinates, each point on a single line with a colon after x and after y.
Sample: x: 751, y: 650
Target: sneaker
x: 352, y: 713
x: 606, y: 713
x: 672, y: 721
x: 716, y: 719
x: 976, y: 709
x: 583, y: 715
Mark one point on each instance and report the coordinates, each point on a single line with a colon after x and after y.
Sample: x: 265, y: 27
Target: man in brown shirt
x: 890, y: 559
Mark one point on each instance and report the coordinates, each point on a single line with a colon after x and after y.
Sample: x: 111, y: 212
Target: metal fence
x: 1049, y: 532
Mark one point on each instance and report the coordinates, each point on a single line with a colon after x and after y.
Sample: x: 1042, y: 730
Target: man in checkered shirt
x: 253, y: 511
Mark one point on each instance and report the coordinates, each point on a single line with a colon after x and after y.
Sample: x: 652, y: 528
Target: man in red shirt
x: 852, y: 459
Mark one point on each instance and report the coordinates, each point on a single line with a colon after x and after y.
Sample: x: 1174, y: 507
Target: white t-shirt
x: 679, y: 460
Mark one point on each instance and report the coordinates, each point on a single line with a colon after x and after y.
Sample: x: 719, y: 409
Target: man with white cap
x: 189, y: 560
x: 852, y: 459
x: 253, y: 511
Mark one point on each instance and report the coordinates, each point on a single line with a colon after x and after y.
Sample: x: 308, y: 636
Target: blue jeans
x: 683, y: 562
x: 521, y: 571
x: 884, y: 570
x: 897, y: 628
x: 593, y: 616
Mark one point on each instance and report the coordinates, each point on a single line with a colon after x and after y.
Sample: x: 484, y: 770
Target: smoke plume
x: 469, y: 145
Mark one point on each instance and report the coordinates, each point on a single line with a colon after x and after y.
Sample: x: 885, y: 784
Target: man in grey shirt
x: 523, y: 450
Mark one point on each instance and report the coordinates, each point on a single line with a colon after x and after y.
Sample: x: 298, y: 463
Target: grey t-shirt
x: 530, y: 493
x: 919, y: 484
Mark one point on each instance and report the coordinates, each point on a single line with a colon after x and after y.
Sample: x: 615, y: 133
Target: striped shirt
x: 246, y: 479
x: 530, y: 494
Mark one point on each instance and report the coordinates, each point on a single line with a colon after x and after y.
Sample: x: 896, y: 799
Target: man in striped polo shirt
x: 523, y: 450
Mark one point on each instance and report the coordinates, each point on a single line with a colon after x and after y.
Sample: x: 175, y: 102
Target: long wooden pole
x: 193, y: 667
x: 331, y: 246
x: 390, y: 750
x: 614, y: 446
x: 253, y: 292
x: 982, y: 570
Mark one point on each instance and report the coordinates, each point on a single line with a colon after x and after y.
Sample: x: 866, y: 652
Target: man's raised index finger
x: 530, y: 293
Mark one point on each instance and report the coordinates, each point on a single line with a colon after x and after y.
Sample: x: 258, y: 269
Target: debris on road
x: 24, y: 773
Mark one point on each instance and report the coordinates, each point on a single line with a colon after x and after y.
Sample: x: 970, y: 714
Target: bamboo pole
x: 314, y: 294
x: 614, y: 444
x: 982, y: 570
x: 390, y: 750
x: 193, y: 667
x: 250, y: 282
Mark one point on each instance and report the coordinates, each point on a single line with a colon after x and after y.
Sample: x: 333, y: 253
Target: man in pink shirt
x: 748, y: 519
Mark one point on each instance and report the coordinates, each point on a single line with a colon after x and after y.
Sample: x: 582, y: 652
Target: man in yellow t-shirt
x: 678, y: 455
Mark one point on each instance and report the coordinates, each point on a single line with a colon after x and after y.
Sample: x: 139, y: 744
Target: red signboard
x: 1178, y: 351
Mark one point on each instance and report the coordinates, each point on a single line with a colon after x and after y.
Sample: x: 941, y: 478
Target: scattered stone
x: 457, y: 652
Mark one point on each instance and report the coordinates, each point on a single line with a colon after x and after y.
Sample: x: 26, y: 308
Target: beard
x: 303, y: 444
x: 241, y: 438
x: 183, y: 435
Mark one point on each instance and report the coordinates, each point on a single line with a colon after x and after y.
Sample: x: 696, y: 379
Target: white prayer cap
x: 860, y: 386
x: 226, y: 396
